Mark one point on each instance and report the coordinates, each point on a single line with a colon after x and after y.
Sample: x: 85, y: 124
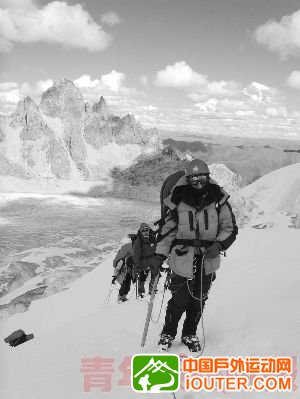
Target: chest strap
x: 193, y: 242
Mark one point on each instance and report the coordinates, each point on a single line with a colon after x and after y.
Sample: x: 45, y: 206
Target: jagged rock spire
x: 63, y: 97
x: 101, y: 108
x: 60, y: 137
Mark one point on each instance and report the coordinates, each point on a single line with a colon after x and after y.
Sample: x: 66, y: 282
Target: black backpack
x: 165, y: 212
x: 166, y: 190
x: 18, y: 337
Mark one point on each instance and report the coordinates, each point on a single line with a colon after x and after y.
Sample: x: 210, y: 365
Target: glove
x: 213, y: 251
x: 113, y: 281
x: 163, y: 269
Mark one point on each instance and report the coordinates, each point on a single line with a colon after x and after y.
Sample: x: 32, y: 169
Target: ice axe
x: 150, y: 307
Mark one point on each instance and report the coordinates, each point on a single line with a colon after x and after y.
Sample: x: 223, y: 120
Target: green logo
x: 155, y: 373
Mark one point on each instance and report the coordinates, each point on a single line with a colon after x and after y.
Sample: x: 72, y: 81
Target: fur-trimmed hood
x: 182, y: 191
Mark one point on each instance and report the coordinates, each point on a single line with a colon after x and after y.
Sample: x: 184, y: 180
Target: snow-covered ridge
x: 277, y: 191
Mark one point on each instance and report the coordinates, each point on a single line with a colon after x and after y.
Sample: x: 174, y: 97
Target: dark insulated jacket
x: 143, y: 252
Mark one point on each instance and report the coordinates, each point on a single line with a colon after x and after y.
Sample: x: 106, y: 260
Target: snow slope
x: 253, y: 309
x: 278, y: 190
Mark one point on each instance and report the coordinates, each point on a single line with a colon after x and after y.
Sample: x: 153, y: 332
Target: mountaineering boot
x: 165, y: 342
x: 122, y: 298
x: 192, y: 342
x: 150, y: 291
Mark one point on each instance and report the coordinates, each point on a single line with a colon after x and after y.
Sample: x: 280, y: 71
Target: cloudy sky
x: 199, y: 66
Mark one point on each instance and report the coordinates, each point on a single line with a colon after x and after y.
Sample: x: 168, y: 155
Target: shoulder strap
x: 172, y: 214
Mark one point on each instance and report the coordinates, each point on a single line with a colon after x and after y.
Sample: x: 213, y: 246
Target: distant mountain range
x: 250, y: 158
x: 65, y: 138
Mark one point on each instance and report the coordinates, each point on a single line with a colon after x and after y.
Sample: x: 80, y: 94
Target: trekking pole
x: 166, y: 285
x: 150, y: 307
x: 136, y: 286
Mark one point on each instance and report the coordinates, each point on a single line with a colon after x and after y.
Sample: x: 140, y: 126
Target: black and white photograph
x: 150, y: 199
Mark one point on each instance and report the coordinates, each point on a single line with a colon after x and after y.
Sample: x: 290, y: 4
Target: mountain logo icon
x: 155, y: 373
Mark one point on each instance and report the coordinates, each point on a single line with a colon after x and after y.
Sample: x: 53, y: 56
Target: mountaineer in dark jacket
x: 123, y: 265
x: 200, y: 226
x: 143, y: 257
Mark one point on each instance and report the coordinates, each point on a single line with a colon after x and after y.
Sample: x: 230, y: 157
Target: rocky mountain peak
x: 171, y: 152
x: 64, y: 137
x: 127, y: 130
x: 25, y: 109
x: 129, y: 120
x: 63, y: 97
x: 101, y: 108
x: 25, y: 105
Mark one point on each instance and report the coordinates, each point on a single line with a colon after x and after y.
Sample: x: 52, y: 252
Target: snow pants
x: 186, y: 298
x: 143, y: 277
x: 125, y: 286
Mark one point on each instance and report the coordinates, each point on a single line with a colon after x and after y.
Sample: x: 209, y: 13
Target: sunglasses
x: 199, y: 177
x: 145, y: 230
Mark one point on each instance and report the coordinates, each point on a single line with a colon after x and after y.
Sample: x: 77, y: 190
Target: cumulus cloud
x: 56, y: 23
x: 280, y: 112
x: 110, y: 85
x: 257, y: 110
x: 9, y: 96
x: 208, y: 106
x: 113, y: 80
x: 85, y: 81
x: 222, y: 106
x: 179, y: 75
x: 7, y: 86
x: 259, y: 93
x: 182, y: 76
x: 148, y: 108
x: 110, y: 18
x: 36, y: 89
x: 293, y: 80
x: 11, y: 93
x: 43, y: 85
x: 222, y: 88
x: 225, y: 107
x: 282, y: 37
